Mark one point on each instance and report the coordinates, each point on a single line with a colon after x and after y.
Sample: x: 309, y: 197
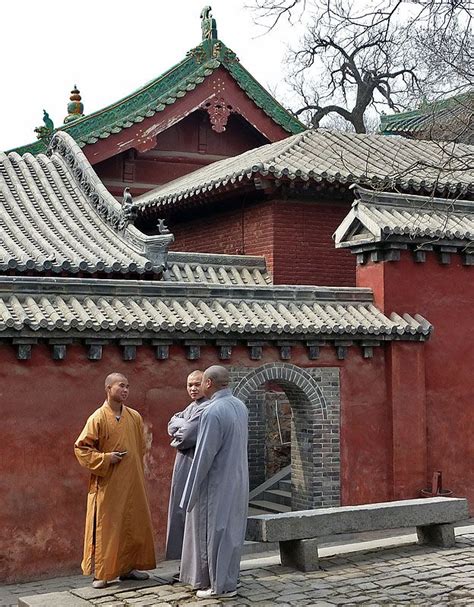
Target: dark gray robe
x: 183, y: 428
x: 216, y: 495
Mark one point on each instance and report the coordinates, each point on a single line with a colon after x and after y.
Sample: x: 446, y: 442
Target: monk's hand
x: 115, y: 457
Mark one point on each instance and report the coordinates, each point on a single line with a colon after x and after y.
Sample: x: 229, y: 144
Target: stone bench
x: 298, y: 532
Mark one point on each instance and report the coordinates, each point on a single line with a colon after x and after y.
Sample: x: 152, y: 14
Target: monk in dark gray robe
x: 216, y: 493
x: 183, y: 428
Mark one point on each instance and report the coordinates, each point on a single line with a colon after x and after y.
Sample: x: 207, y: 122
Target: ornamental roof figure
x: 44, y: 133
x: 208, y: 24
x: 75, y: 108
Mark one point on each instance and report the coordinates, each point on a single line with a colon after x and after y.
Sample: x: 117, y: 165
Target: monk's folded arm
x: 175, y: 423
x: 92, y: 459
x: 187, y: 435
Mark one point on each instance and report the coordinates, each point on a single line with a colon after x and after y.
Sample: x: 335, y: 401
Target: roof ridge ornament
x: 44, y: 132
x: 75, y: 107
x: 129, y: 211
x: 208, y: 24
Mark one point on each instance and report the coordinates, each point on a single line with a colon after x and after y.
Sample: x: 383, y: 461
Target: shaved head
x: 114, y: 377
x: 194, y: 385
x: 195, y: 374
x: 218, y: 375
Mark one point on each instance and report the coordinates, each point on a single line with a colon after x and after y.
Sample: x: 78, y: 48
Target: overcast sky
x: 110, y: 48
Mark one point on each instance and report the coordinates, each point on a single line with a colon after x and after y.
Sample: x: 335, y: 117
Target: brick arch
x: 296, y: 382
x: 315, y: 449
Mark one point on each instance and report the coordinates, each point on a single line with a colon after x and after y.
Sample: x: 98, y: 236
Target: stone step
x: 255, y: 511
x: 285, y: 484
x: 279, y: 496
x: 269, y: 506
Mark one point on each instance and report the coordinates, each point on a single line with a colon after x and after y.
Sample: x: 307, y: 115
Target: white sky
x: 110, y: 48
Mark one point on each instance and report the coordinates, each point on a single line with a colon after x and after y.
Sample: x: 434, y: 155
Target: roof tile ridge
x: 123, y: 100
x: 232, y: 66
x: 86, y: 178
x: 297, y: 139
x: 81, y: 245
x: 414, y: 202
x: 100, y: 199
x: 38, y: 242
x: 111, y: 249
x: 430, y: 108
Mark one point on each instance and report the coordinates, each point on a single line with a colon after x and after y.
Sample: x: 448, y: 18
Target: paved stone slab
x: 116, y: 588
x: 53, y: 599
x: 407, y: 575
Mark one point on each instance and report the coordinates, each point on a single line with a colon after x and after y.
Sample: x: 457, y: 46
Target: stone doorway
x: 314, y: 398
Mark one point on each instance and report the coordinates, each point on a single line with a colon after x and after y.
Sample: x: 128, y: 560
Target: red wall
x: 444, y: 295
x: 295, y: 237
x: 45, y: 404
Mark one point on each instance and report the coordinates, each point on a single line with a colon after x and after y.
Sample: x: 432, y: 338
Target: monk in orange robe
x: 118, y: 537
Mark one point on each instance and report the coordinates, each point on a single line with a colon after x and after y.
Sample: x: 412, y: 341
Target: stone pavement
x: 404, y: 574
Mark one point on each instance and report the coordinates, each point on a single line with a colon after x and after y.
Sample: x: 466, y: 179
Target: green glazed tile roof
x: 429, y: 116
x: 165, y: 90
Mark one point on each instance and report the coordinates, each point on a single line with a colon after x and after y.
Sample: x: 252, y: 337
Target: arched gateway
x: 315, y: 448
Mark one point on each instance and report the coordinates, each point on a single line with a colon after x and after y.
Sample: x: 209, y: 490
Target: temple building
x: 285, y: 200
x: 205, y: 108
x: 331, y: 273
x: 375, y: 395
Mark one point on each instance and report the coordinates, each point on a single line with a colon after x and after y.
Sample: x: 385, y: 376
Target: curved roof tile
x: 380, y: 216
x: 56, y: 217
x: 331, y: 156
x: 324, y: 313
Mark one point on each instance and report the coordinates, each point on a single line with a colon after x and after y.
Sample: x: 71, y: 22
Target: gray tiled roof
x: 379, y: 216
x: 330, y: 156
x: 56, y: 216
x: 217, y: 269
x: 153, y: 308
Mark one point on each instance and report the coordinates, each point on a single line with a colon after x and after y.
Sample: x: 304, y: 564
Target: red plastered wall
x: 444, y: 295
x: 45, y: 404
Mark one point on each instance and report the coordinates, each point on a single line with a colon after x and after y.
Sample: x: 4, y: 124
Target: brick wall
x: 220, y: 232
x: 295, y: 238
x: 304, y: 251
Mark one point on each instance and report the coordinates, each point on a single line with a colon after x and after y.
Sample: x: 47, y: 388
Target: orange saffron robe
x: 118, y: 534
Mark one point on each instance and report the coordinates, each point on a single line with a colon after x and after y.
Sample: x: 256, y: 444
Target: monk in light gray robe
x: 183, y: 428
x: 216, y: 493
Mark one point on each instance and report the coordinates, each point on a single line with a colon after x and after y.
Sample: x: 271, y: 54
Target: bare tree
x: 374, y: 54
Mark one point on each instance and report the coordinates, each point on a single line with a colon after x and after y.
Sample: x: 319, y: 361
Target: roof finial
x: 75, y: 109
x: 208, y: 24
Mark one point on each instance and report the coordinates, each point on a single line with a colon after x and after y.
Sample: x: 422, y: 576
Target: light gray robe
x: 183, y: 428
x: 216, y: 494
